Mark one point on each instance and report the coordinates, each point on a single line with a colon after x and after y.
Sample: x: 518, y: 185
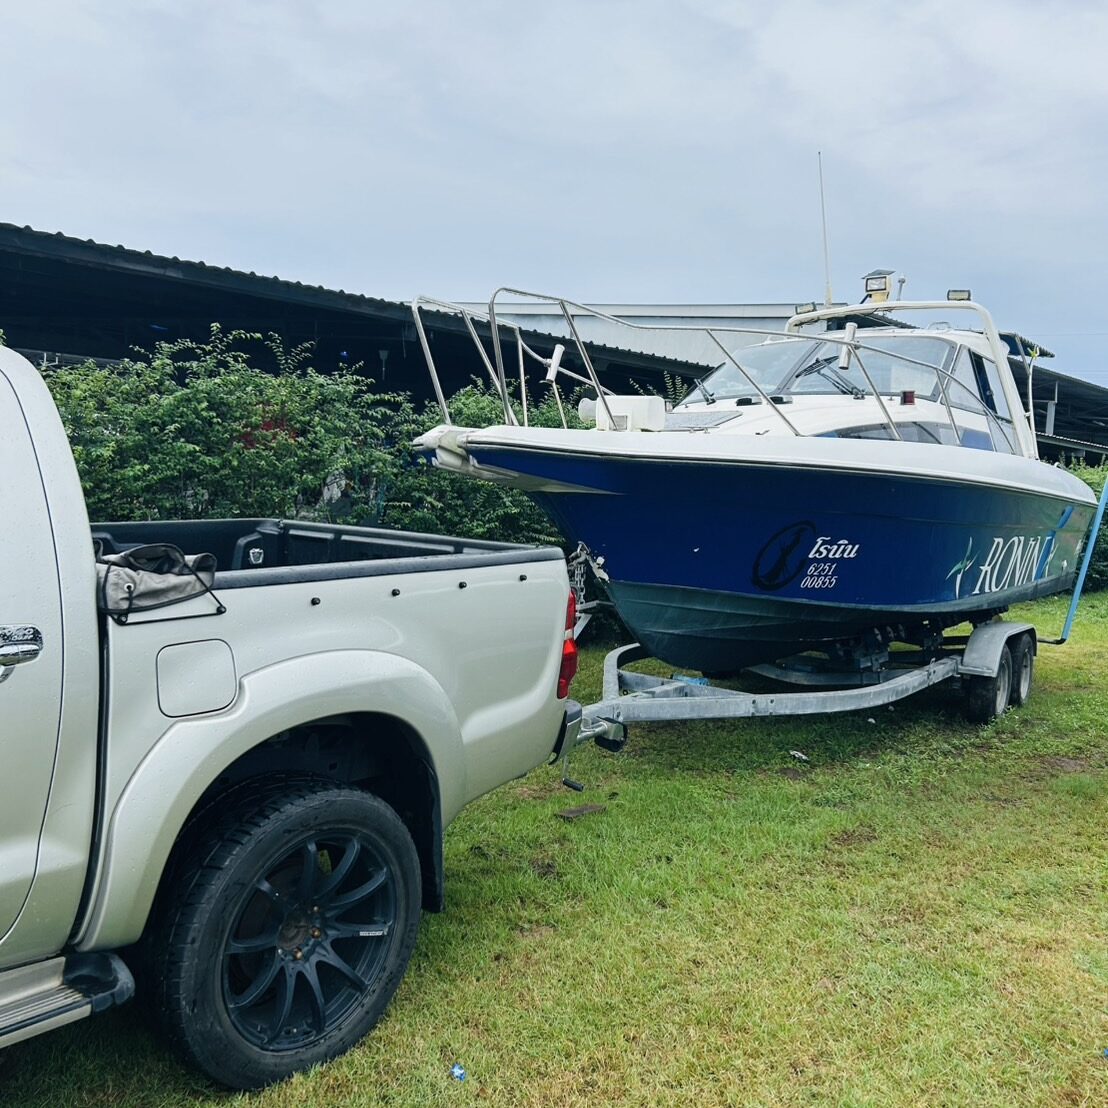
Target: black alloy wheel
x: 290, y: 933
x: 308, y: 940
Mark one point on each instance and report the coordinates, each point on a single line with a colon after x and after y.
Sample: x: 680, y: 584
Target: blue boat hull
x: 719, y: 565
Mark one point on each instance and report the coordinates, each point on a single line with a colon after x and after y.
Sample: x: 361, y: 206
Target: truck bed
x: 252, y: 552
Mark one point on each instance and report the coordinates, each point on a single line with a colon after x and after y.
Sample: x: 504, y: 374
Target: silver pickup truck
x: 246, y: 787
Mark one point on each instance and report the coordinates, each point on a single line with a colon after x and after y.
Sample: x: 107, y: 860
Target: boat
x: 857, y: 480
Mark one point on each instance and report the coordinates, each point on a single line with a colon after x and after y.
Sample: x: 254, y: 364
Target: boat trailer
x: 994, y: 664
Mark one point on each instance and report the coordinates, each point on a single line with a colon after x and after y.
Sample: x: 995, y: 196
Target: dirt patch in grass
x: 535, y: 792
x: 1058, y: 764
x: 535, y: 931
x: 854, y: 836
x: 1003, y: 801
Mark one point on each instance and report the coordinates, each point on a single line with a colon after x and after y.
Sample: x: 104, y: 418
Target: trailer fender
x: 982, y: 654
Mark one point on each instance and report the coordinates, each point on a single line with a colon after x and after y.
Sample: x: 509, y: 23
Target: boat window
x: 768, y: 363
x: 992, y: 392
x: 989, y: 382
x: 938, y: 433
x: 963, y: 391
x: 884, y: 359
x: 980, y: 407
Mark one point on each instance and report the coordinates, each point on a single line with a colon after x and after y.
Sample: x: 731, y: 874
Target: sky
x: 608, y: 151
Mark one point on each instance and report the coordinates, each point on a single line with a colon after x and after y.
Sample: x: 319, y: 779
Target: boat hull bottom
x: 720, y: 633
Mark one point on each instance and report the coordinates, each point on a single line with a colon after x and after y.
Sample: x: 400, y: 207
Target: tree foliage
x: 424, y: 498
x: 1094, y: 477
x: 198, y: 430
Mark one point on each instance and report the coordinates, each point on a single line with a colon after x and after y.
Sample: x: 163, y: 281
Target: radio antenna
x: 827, y: 298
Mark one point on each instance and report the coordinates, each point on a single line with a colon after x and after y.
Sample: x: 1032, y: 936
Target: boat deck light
x: 879, y: 283
x: 958, y: 294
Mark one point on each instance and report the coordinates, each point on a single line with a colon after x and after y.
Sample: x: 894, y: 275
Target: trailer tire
x: 288, y: 931
x: 988, y: 697
x: 1023, y: 670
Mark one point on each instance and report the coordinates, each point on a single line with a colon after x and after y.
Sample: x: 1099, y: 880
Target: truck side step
x: 50, y: 994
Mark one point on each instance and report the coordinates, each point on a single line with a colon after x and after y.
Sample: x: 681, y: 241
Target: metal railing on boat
x: 852, y: 349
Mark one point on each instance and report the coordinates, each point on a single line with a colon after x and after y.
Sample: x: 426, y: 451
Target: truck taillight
x: 569, y: 650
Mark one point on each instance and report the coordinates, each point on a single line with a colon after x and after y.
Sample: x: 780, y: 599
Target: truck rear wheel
x: 287, y: 935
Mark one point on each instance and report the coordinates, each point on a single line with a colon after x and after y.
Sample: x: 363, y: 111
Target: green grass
x: 918, y: 915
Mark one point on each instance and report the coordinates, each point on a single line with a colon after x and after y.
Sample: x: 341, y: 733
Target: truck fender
x: 191, y: 754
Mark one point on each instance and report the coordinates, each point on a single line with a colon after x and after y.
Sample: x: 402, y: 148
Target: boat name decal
x: 824, y: 572
x: 1015, y: 561
x: 798, y: 550
x: 824, y: 548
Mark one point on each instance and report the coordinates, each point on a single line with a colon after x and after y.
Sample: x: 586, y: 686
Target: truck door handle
x: 18, y: 644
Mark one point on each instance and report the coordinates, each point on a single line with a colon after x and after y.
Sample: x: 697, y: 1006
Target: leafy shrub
x: 422, y: 497
x: 197, y: 430
x: 1094, y: 477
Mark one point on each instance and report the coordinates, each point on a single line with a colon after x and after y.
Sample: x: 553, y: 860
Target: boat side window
x: 963, y: 391
x: 988, y: 381
x: 992, y: 392
x: 980, y: 406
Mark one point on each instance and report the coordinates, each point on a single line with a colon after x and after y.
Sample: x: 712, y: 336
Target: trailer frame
x: 871, y: 680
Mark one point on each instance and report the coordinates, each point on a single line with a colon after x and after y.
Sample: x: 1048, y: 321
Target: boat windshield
x: 805, y: 367
x: 770, y: 364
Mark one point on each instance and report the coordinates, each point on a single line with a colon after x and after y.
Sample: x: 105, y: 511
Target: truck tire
x: 1023, y: 670
x: 987, y: 697
x: 288, y: 931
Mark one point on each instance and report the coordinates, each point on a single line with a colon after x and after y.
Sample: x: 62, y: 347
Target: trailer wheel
x: 987, y: 697
x: 288, y: 934
x: 1023, y: 670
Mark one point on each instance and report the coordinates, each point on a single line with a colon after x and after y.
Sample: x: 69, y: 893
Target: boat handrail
x: 847, y: 340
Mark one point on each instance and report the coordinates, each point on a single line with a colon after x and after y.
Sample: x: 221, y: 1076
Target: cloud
x: 613, y: 149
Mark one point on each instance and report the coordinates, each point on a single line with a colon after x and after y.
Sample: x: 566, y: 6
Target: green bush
x: 198, y: 430
x: 1094, y: 477
x: 422, y: 497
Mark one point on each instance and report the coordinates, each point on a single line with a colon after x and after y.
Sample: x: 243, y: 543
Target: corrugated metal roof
x: 1020, y: 346
x: 48, y: 244
x: 89, y: 252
